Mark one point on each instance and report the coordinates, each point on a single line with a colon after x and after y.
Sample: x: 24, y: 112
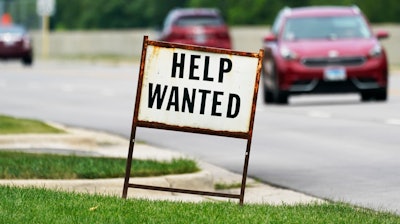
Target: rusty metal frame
x: 137, y: 123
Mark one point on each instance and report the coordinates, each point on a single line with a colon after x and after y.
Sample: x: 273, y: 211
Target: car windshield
x: 11, y: 29
x: 326, y: 28
x: 199, y: 21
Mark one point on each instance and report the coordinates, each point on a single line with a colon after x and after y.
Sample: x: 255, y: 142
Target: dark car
x: 196, y: 26
x: 15, y: 43
x: 323, y: 50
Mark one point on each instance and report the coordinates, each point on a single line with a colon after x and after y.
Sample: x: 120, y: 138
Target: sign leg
x: 245, y: 168
x: 129, y: 163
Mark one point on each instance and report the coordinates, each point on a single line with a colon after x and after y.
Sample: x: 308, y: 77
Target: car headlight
x: 376, y: 51
x: 288, y: 54
x: 26, y: 42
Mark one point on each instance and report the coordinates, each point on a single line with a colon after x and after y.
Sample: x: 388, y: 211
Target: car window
x: 11, y: 29
x: 325, y: 28
x: 199, y: 21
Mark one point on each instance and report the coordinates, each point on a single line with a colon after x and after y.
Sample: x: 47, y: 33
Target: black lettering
x: 193, y: 66
x: 156, y: 95
x: 173, y: 98
x: 176, y: 64
x: 216, y: 103
x: 230, y: 113
x: 203, y: 99
x: 206, y: 67
x: 222, y: 68
x: 187, y: 100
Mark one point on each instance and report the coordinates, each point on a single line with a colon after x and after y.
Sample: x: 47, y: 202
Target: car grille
x: 339, y: 61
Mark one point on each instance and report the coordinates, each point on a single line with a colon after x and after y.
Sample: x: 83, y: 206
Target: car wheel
x: 27, y: 60
x: 268, y: 96
x: 378, y: 95
x: 281, y: 97
x: 366, y: 96
x: 267, y: 70
x: 381, y: 94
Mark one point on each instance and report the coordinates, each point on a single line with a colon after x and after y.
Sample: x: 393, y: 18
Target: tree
x: 125, y: 14
x: 110, y: 14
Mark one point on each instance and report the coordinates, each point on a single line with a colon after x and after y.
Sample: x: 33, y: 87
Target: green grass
x: 34, y: 205
x: 18, y: 165
x: 12, y: 125
x: 224, y: 186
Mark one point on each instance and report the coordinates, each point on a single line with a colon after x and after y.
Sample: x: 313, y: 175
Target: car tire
x: 366, y: 96
x: 281, y: 97
x: 381, y: 94
x: 268, y: 95
x: 378, y: 95
x: 267, y: 69
x: 27, y: 60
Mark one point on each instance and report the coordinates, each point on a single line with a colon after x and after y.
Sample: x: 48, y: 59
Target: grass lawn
x: 19, y: 165
x: 12, y: 125
x: 33, y: 205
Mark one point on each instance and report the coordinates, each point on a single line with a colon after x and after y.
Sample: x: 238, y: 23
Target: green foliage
x: 106, y: 14
x: 223, y: 186
x: 32, y: 205
x: 103, y: 14
x: 17, y: 165
x: 127, y: 14
x: 11, y: 125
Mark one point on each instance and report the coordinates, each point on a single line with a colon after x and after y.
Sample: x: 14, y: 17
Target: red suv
x: 323, y: 50
x: 196, y: 26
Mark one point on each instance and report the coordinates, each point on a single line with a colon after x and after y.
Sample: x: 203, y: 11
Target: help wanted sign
x: 197, y: 87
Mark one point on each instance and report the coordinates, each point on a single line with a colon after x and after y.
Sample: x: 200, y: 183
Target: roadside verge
x: 93, y: 143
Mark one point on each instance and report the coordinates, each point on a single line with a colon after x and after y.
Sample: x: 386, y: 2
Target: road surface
x: 333, y: 147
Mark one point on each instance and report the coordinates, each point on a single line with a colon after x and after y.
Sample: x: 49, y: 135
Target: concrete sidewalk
x: 92, y: 143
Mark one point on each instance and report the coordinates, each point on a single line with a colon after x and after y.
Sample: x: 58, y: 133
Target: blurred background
x: 334, y: 147
x: 115, y: 28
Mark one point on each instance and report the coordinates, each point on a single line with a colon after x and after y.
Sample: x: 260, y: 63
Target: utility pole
x: 1, y: 8
x: 5, y: 16
x: 4, y: 6
x: 45, y: 9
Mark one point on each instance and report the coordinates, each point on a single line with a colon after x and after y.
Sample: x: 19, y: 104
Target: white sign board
x: 45, y: 7
x: 198, y: 89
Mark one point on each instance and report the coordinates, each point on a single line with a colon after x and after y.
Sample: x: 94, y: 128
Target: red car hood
x: 325, y: 48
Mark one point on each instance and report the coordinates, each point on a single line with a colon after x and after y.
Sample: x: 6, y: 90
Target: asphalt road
x: 333, y: 147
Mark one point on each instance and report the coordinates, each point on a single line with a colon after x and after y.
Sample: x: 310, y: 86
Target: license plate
x: 335, y: 74
x: 200, y: 38
x: 9, y: 43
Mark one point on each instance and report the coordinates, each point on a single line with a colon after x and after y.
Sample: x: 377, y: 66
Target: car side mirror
x: 381, y: 34
x: 270, y: 38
